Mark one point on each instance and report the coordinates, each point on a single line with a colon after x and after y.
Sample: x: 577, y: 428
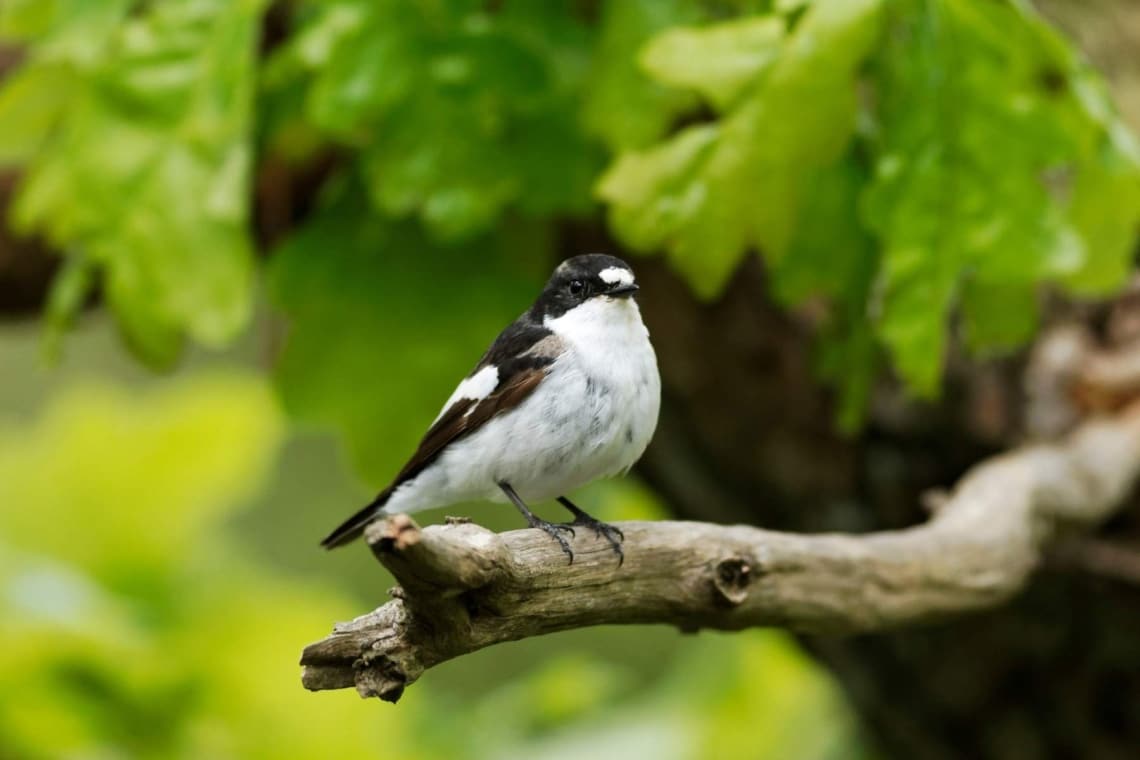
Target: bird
x: 566, y: 394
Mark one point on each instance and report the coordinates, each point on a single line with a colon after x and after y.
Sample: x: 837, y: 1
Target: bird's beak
x: 623, y: 292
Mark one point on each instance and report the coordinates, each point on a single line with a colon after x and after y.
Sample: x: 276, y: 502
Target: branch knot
x: 731, y: 580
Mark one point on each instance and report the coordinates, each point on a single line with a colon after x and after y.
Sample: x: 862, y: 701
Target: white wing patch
x: 616, y: 276
x: 477, y: 387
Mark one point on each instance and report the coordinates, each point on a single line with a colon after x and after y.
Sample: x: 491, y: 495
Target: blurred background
x: 247, y: 246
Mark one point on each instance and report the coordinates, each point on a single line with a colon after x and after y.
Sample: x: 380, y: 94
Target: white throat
x: 600, y: 325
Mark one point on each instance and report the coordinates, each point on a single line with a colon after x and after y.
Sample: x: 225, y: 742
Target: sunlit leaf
x: 31, y: 102
x: 712, y: 193
x: 986, y: 152
x: 146, y: 167
x: 720, y: 61
x: 623, y: 105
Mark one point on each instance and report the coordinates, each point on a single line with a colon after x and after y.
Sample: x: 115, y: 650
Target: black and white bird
x: 568, y: 393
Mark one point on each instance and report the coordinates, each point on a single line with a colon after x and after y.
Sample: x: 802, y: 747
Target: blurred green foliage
x: 135, y: 622
x: 992, y: 135
x: 455, y: 115
x: 923, y: 166
x: 135, y: 131
x: 132, y: 627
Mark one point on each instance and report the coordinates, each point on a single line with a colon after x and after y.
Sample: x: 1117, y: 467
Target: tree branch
x: 463, y: 587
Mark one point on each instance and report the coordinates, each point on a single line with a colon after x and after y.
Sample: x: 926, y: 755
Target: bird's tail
x: 352, y: 528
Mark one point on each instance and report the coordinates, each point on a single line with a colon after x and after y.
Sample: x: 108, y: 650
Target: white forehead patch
x: 616, y: 276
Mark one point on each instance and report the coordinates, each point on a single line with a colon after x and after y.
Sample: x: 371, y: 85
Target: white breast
x: 612, y: 361
x: 611, y: 345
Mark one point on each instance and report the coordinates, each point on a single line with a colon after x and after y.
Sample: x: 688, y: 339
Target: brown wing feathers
x: 467, y: 415
x: 460, y: 419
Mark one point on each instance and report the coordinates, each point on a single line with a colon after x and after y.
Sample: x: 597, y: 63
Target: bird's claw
x: 605, y: 530
x: 555, y: 530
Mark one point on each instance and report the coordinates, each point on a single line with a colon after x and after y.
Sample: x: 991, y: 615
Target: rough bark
x: 463, y: 587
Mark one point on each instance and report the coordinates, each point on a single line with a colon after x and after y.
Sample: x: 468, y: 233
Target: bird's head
x: 583, y: 279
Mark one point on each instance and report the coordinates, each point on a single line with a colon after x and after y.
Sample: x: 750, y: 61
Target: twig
x: 1104, y: 559
x: 464, y: 588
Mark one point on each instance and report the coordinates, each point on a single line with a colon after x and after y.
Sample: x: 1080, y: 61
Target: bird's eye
x: 576, y: 287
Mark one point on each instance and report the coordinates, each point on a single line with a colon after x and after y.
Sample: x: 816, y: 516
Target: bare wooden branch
x: 463, y: 587
x: 1105, y: 559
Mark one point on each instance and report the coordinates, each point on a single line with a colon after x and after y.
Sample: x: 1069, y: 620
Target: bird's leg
x: 553, y: 529
x: 606, y: 531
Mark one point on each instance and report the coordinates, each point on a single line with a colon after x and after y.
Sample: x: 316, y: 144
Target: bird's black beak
x: 623, y: 292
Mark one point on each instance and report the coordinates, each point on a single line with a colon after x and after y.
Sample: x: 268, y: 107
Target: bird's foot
x: 555, y: 531
x: 606, y: 531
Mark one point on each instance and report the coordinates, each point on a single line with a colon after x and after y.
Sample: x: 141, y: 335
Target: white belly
x: 591, y: 417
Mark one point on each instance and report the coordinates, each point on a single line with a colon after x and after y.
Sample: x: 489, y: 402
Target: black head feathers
x: 578, y: 279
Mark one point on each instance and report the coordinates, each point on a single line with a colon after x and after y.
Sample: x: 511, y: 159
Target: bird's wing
x: 507, y: 374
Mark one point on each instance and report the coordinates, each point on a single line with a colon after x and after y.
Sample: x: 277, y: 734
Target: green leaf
x: 623, y: 106
x: 363, y: 65
x: 69, y: 290
x: 1105, y: 202
x: 712, y: 193
x: 660, y: 189
x: 1105, y: 211
x: 65, y: 39
x: 457, y: 114
x: 848, y: 359
x: 835, y: 263
x: 837, y: 259
x: 31, y: 102
x: 998, y: 318
x: 75, y: 31
x: 146, y: 173
x: 984, y: 155
x: 790, y: 6
x: 720, y: 62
